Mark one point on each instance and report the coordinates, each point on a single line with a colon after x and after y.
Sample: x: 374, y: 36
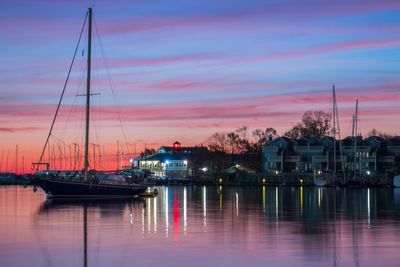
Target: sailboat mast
x: 334, y: 131
x: 355, y: 139
x: 89, y: 54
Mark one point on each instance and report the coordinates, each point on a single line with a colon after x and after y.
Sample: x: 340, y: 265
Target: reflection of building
x: 309, y: 154
x: 169, y: 161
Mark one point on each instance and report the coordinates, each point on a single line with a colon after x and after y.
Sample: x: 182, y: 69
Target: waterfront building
x: 169, y: 161
x: 373, y: 155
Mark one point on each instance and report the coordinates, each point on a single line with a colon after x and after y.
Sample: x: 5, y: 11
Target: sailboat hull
x: 66, y: 189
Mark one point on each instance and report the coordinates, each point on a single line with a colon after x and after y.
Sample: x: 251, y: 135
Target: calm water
x: 196, y: 226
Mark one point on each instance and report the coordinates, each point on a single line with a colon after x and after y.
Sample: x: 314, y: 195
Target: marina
x: 281, y: 226
x: 199, y: 133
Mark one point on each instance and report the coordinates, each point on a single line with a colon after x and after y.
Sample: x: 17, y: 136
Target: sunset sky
x: 183, y: 70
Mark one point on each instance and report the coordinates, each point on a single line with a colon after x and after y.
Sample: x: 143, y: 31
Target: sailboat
x: 329, y: 178
x: 89, y: 187
x: 356, y: 178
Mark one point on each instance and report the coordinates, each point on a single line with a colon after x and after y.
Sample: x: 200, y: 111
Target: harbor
x: 199, y: 133
x: 184, y: 224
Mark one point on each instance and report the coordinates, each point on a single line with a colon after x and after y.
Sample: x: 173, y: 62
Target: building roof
x: 184, y: 150
x: 162, y: 157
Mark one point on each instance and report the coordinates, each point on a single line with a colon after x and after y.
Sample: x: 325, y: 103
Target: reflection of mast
x: 84, y: 235
x: 334, y: 230
x: 354, y: 236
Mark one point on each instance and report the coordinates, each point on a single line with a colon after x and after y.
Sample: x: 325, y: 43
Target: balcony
x: 292, y: 159
x: 274, y: 159
x: 319, y: 158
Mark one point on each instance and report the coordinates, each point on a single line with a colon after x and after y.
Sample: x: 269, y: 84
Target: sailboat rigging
x: 88, y: 187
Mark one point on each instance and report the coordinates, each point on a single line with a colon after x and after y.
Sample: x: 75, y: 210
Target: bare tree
x: 384, y: 135
x: 218, y: 142
x: 313, y: 123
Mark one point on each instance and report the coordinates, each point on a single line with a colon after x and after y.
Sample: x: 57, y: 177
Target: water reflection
x: 211, y: 226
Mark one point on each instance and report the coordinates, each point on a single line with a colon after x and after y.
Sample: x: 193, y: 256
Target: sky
x: 182, y: 70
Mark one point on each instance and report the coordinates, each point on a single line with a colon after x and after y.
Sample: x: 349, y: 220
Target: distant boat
x: 320, y: 182
x: 58, y: 186
x: 396, y: 181
x: 327, y: 179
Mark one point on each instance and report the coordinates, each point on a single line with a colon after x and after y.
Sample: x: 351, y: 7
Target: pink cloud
x: 327, y: 48
x: 19, y: 129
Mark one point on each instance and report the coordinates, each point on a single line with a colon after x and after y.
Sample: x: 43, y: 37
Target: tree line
x: 243, y: 148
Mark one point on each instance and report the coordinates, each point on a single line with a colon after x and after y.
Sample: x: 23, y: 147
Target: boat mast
x: 334, y: 132
x: 355, y: 139
x: 88, y: 94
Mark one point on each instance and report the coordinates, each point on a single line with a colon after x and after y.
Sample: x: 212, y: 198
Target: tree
x: 295, y: 132
x: 262, y: 137
x: 236, y: 147
x: 317, y: 123
x: 238, y: 141
x: 384, y: 135
x: 313, y: 123
x: 218, y: 142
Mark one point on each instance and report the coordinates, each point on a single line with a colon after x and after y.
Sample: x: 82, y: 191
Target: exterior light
x: 237, y: 166
x: 204, y: 169
x: 185, y: 162
x: 220, y: 180
x: 166, y: 162
x: 368, y: 172
x: 276, y: 172
x: 301, y: 181
x: 131, y: 161
x: 263, y: 180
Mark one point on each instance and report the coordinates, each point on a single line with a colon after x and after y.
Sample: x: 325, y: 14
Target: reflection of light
x: 143, y: 220
x: 237, y: 203
x: 319, y: 197
x: 148, y: 206
x: 368, y: 207
x: 220, y: 197
x: 301, y: 200
x: 155, y: 214
x: 166, y: 210
x: 176, y: 216
x: 276, y: 204
x: 131, y: 218
x: 263, y: 198
x: 204, y: 206
x: 184, y: 210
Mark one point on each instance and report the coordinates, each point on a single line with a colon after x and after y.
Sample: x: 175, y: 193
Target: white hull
x: 396, y: 181
x: 320, y: 182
